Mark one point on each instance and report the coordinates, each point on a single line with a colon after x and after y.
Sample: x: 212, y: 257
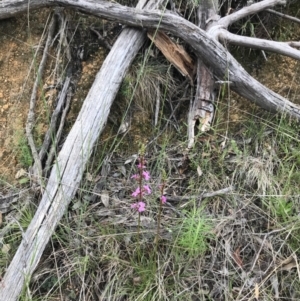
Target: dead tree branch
x: 56, y: 139
x: 206, y: 47
x: 37, y: 171
x: 272, y: 11
x: 202, y: 110
x: 283, y: 48
x: 248, y: 10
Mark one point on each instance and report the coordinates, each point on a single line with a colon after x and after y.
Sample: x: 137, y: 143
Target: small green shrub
x: 195, y: 231
x: 23, y: 150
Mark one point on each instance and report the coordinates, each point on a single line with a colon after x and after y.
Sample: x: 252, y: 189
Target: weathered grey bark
x: 71, y: 161
x: 248, y: 10
x: 284, y: 48
x: 206, y: 47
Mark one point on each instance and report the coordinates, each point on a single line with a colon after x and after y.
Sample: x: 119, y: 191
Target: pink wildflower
x: 163, y: 199
x: 139, y: 206
x: 140, y: 166
x: 136, y: 192
x: 146, y: 175
x: 135, y: 176
x: 147, y: 189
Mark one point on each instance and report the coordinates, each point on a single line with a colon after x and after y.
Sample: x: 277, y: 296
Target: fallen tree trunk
x: 205, y: 45
x: 71, y: 161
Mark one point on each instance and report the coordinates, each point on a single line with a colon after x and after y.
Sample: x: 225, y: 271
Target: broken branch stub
x: 174, y: 53
x: 202, y: 108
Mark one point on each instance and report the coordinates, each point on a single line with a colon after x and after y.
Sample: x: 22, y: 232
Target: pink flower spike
x: 136, y: 192
x: 163, y: 199
x: 141, y: 206
x: 146, y: 175
x: 147, y: 189
x: 135, y: 176
x: 140, y: 166
x: 133, y: 206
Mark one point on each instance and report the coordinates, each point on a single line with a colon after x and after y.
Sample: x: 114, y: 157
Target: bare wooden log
x: 212, y: 53
x: 71, y: 161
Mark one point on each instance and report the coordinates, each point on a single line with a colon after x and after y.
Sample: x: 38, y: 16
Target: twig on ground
x: 201, y: 196
x: 59, y: 131
x: 174, y: 209
x: 49, y: 137
x: 106, y: 44
x: 54, y: 132
x: 7, y: 201
x: 157, y: 106
x: 37, y: 168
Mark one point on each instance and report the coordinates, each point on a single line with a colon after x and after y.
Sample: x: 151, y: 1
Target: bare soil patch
x: 19, y: 39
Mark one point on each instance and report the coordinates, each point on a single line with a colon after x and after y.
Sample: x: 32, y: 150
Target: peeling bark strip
x: 174, y: 53
x: 68, y: 171
x: 205, y: 45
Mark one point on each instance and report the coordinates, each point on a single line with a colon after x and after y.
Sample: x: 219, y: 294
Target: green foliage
x: 23, y: 150
x: 145, y: 270
x: 194, y: 233
x: 17, y: 229
x: 280, y: 207
x: 248, y: 28
x: 143, y: 80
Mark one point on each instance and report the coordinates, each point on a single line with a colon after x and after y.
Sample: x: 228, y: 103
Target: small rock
x: 21, y: 173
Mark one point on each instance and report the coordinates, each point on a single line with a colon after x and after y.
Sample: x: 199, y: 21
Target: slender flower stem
x: 161, y: 201
x: 141, y: 178
x: 139, y: 227
x: 142, y: 190
x: 158, y: 227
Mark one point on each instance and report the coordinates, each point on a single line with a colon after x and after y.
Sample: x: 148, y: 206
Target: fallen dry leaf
x: 105, y: 198
x: 288, y: 264
x: 237, y: 258
x: 256, y: 291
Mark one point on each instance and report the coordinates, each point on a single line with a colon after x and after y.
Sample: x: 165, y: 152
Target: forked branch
x: 206, y: 47
x: 249, y: 10
x: 284, y: 48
